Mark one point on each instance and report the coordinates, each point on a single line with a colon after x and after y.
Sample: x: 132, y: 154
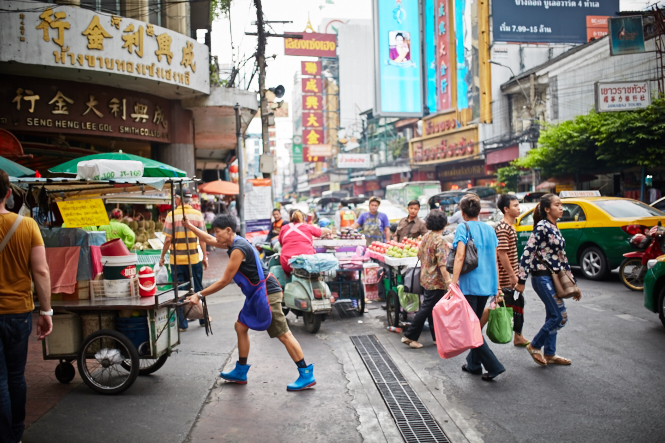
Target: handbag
x: 564, y: 285
x: 412, y: 280
x: 500, y: 324
x: 470, y: 255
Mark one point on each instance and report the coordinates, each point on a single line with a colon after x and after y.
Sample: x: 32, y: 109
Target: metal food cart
x: 108, y: 360
x: 394, y: 269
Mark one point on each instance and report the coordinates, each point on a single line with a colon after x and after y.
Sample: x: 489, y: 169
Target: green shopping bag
x: 500, y: 324
x: 409, y: 302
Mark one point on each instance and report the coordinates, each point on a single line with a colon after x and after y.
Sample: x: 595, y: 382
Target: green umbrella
x: 151, y: 168
x: 13, y: 169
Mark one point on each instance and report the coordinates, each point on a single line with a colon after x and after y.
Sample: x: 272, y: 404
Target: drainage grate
x: 413, y: 420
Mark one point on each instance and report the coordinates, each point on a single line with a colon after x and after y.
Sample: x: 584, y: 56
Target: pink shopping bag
x: 456, y: 326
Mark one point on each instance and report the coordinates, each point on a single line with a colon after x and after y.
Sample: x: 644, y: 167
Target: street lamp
x: 516, y: 79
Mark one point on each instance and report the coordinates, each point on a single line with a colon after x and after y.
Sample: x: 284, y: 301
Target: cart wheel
x: 65, y: 372
x: 312, y: 322
x: 392, y: 308
x: 146, y: 365
x: 100, y: 362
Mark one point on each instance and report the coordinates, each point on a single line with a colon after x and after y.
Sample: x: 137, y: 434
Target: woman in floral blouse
x: 434, y: 278
x: 545, y: 253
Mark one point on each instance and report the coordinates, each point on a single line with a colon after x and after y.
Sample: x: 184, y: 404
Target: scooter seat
x: 280, y: 275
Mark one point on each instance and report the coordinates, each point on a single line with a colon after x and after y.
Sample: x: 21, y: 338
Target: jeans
x: 482, y: 354
x: 431, y: 297
x: 555, y: 315
x: 14, y: 334
x: 183, y: 276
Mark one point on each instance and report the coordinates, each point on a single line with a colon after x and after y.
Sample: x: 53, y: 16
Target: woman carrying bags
x: 479, y: 284
x: 433, y: 277
x: 545, y: 253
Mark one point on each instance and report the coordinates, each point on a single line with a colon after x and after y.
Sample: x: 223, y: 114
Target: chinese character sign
x: 443, y: 71
x: 79, y: 213
x: 310, y: 68
x: 312, y: 103
x: 312, y: 120
x: 71, y: 37
x: 312, y: 85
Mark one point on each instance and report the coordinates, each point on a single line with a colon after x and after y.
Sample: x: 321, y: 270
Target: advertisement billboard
x: 546, y: 21
x: 430, y: 55
x: 311, y: 45
x: 622, y: 96
x: 397, y: 49
x: 443, y: 31
x: 466, y: 53
x: 626, y: 35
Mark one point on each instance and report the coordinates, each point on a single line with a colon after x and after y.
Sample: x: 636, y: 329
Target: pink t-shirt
x: 293, y: 243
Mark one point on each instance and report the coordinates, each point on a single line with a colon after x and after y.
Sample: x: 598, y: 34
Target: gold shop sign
x: 64, y: 36
x: 453, y: 145
x: 37, y: 105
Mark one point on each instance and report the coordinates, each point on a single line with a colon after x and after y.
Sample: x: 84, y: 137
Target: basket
x: 346, y: 289
x: 97, y: 289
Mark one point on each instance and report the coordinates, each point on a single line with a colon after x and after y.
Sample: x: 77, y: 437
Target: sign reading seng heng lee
x: 69, y: 37
x: 622, y: 96
x: 546, y: 21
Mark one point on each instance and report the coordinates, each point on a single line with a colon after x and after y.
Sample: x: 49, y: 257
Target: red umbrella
x: 219, y: 187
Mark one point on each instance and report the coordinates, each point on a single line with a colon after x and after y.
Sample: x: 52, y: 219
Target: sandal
x: 557, y: 360
x: 535, y: 353
x: 414, y: 344
x: 522, y: 345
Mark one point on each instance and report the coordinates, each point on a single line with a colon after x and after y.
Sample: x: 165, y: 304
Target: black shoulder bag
x: 470, y: 255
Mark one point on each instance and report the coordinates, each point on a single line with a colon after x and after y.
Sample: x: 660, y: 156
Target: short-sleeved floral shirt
x: 546, y: 245
x: 432, y: 254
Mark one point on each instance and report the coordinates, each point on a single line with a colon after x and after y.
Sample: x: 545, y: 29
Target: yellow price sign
x: 79, y: 213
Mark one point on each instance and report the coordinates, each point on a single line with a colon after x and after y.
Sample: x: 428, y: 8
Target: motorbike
x: 305, y: 294
x: 649, y: 245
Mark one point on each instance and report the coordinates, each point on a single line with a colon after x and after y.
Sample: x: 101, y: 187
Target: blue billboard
x: 547, y: 21
x: 430, y: 55
x: 397, y: 49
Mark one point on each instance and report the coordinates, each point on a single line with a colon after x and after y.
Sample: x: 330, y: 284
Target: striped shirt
x: 508, y: 243
x: 180, y: 241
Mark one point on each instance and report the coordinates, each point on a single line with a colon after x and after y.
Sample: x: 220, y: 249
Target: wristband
x: 50, y: 312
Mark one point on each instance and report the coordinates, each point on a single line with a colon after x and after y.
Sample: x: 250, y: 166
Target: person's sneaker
x: 305, y: 379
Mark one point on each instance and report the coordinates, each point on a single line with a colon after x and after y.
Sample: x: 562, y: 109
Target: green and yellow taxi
x: 596, y: 229
x: 654, y: 287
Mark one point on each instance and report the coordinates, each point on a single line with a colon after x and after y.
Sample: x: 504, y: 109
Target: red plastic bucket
x: 114, y: 248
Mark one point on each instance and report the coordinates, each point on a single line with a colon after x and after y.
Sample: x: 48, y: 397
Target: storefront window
x: 155, y: 12
x: 109, y: 6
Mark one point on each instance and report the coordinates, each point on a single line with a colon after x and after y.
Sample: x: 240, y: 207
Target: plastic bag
x: 456, y: 326
x: 500, y: 324
x: 103, y: 169
x: 161, y: 274
x: 316, y: 263
x: 410, y: 302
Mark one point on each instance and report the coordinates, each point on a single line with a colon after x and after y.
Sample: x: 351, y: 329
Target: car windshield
x: 628, y: 209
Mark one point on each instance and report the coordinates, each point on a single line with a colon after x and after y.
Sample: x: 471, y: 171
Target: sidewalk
x: 45, y: 391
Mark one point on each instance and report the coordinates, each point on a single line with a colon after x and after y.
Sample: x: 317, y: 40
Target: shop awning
x: 390, y: 170
x: 319, y: 185
x: 504, y: 155
x: 13, y: 169
x: 151, y: 168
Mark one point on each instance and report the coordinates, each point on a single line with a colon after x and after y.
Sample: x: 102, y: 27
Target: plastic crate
x: 346, y: 289
x: 97, y: 289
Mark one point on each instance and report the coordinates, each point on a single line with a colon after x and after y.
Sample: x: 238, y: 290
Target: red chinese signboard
x: 310, y: 68
x: 306, y: 157
x: 312, y: 137
x: 312, y: 103
x: 311, y: 45
x: 312, y: 119
x: 312, y: 85
x: 443, y: 65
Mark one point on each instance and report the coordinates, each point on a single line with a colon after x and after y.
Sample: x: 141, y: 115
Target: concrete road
x: 612, y: 392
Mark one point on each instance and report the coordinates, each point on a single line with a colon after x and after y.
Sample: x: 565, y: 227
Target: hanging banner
x: 312, y: 119
x: 312, y: 85
x: 79, y: 213
x: 443, y: 83
x: 310, y: 68
x: 257, y: 214
x: 361, y: 161
x: 320, y: 150
x: 311, y: 44
x: 398, y: 61
x: 313, y: 136
x: 297, y: 153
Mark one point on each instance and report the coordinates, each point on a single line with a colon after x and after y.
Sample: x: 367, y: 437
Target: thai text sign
x: 353, y: 161
x: 622, y: 96
x: 452, y: 173
x: 546, y: 21
x: 311, y: 45
x: 79, y: 213
x: 83, y: 40
x: 39, y: 105
x: 455, y: 145
x: 320, y: 150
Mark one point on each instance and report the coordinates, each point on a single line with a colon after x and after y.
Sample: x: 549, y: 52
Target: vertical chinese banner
x: 443, y: 65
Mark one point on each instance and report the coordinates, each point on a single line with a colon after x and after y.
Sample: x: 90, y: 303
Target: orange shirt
x: 15, y: 269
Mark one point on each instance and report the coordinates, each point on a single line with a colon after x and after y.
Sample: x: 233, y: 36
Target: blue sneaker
x: 305, y: 380
x: 238, y: 375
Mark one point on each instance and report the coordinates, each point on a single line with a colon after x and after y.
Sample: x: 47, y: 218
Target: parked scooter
x: 649, y: 245
x: 305, y: 294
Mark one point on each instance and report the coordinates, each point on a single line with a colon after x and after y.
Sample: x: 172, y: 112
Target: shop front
x: 318, y: 185
x: 449, y: 150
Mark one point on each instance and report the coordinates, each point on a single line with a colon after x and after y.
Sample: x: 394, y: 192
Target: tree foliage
x: 598, y: 141
x: 219, y: 8
x: 507, y: 179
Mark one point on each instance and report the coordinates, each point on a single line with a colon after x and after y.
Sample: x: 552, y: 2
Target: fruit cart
x: 394, y: 268
x: 345, y: 283
x: 113, y: 339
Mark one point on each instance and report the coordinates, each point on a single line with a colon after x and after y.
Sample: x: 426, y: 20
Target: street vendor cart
x: 394, y: 270
x: 112, y: 338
